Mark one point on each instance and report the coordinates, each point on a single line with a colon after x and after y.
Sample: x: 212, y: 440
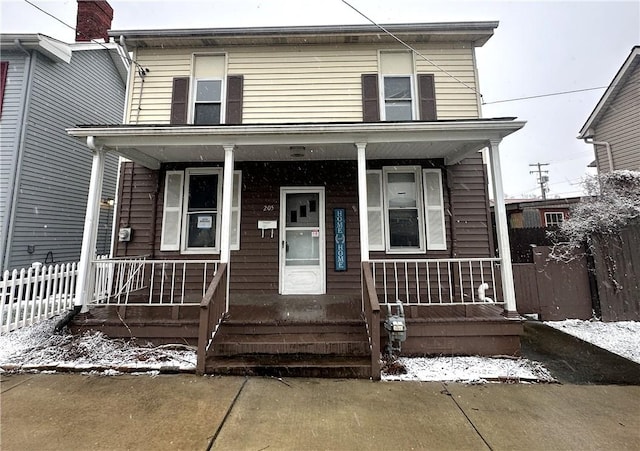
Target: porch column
x: 502, y: 231
x: 85, y: 281
x: 362, y: 202
x: 227, y: 198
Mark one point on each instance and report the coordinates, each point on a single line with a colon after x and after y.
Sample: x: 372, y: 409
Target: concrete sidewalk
x: 184, y: 412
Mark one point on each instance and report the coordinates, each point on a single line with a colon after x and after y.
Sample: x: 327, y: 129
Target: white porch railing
x: 35, y: 294
x: 451, y: 281
x: 137, y: 280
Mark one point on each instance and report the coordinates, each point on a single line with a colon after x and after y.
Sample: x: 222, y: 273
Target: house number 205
x: 269, y: 208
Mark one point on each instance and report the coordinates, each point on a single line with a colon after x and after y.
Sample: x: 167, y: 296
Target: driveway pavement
x: 185, y: 412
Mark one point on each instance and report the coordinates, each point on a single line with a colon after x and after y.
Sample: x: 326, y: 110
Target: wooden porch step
x: 291, y: 366
x: 348, y: 339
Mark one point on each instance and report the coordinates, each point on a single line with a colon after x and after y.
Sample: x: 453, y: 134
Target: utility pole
x: 543, y: 178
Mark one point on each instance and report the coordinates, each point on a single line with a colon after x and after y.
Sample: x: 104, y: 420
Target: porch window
x: 192, y: 206
x: 405, y: 209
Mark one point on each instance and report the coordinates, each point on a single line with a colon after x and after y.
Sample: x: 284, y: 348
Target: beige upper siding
x: 293, y: 84
x: 620, y: 127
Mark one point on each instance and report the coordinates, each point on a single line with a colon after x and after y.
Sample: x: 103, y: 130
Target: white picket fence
x: 34, y: 294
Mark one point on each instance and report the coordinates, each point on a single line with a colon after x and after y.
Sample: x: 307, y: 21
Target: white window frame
x: 193, y: 86
x: 180, y: 212
x: 417, y: 171
x: 383, y: 99
x: 185, y: 211
x: 195, y: 101
x: 546, y: 218
x: 432, y: 243
x: 412, y: 82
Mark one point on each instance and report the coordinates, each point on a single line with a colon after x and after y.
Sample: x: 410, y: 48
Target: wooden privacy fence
x: 34, y: 294
x: 553, y: 290
x: 617, y: 267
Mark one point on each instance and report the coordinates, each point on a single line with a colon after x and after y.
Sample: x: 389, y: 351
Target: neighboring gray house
x: 48, y: 86
x: 614, y: 125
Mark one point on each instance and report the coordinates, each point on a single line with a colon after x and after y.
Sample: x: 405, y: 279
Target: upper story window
x: 209, y: 96
x: 397, y: 86
x: 396, y: 92
x: 208, y: 89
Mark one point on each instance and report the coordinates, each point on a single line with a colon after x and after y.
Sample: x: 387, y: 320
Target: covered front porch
x: 449, y: 296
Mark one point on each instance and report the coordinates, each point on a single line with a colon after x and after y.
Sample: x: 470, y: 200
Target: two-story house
x: 613, y: 127
x: 47, y: 86
x: 287, y: 186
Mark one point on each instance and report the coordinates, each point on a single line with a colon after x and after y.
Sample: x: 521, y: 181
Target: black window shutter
x: 427, y: 93
x: 179, y: 100
x: 370, y: 102
x: 235, y: 84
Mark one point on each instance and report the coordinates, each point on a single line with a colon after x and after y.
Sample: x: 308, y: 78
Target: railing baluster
x: 418, y: 298
x: 395, y: 276
x: 461, y: 281
x: 429, y: 300
x: 384, y: 279
x: 473, y: 292
x: 184, y: 277
x: 406, y: 282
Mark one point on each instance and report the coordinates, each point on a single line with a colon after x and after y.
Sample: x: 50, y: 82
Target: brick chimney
x: 94, y: 20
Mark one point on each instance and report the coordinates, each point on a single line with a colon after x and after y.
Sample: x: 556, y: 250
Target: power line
x: 543, y: 179
x: 411, y: 48
x: 544, y: 95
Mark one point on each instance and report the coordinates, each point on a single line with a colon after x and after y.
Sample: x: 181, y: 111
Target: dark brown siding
x: 468, y: 196
x: 254, y: 268
x: 136, y: 209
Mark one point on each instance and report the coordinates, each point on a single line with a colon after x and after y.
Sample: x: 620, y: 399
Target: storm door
x: 302, y: 241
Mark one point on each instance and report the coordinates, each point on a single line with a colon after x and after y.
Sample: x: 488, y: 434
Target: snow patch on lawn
x: 469, y: 370
x: 621, y: 337
x: 38, y: 346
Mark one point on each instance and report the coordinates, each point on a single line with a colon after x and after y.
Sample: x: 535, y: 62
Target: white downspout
x: 502, y: 231
x: 595, y: 150
x: 85, y: 282
x: 362, y: 202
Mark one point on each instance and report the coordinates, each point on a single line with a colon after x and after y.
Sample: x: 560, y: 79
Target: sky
x: 539, y: 48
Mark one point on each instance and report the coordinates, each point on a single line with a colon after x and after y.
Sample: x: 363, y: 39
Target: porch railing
x: 451, y: 281
x: 36, y: 293
x: 213, y: 307
x: 139, y: 280
x: 371, y: 309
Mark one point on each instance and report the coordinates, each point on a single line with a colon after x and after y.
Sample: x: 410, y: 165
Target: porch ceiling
x: 153, y: 145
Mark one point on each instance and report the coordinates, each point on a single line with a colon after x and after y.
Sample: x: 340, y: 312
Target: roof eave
x: 587, y: 129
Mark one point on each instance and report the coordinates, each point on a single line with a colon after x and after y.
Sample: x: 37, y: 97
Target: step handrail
x: 372, y: 317
x: 213, y: 308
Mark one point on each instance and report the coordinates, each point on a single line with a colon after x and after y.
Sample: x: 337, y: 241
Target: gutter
x: 595, y: 150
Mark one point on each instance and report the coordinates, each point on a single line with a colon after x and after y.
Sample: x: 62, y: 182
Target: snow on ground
x: 470, y: 370
x: 38, y: 348
x: 622, y: 337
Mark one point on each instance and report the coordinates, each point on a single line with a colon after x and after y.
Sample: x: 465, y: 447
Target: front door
x: 302, y: 251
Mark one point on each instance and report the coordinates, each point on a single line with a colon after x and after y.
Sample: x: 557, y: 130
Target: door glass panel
x: 302, y: 210
x: 302, y: 247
